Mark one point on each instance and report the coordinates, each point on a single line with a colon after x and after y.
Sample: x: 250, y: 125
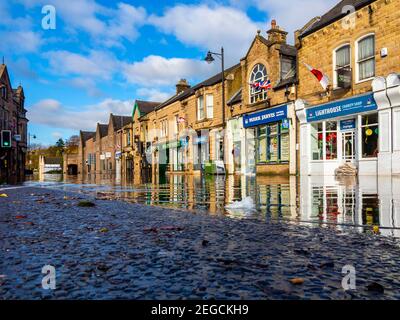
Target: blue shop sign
x: 348, y: 124
x: 342, y: 108
x: 265, y: 116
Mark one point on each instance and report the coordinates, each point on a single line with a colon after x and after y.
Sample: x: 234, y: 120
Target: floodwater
x: 369, y: 204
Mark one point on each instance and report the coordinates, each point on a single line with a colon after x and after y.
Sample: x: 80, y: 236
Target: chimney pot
x: 273, y: 24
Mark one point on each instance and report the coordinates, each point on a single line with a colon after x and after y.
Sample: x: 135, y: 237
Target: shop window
x: 331, y: 140
x: 342, y: 63
x: 317, y: 141
x: 366, y: 58
x: 200, y: 108
x: 210, y: 106
x: 272, y: 143
x: 370, y: 135
x: 258, y: 74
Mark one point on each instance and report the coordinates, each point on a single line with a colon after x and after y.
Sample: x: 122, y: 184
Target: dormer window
x: 259, y: 74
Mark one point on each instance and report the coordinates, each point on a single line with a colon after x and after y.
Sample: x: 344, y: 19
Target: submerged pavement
x: 107, y: 249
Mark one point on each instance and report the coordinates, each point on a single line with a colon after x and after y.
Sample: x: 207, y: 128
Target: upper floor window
x: 200, y: 108
x: 288, y: 67
x: 164, y: 128
x: 366, y: 58
x: 210, y: 106
x: 4, y: 92
x: 259, y: 74
x: 128, y: 138
x: 342, y: 64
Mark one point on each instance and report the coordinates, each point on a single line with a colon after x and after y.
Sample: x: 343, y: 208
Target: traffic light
x: 6, y: 139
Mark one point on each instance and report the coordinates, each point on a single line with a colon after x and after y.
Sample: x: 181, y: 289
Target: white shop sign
x: 108, y: 154
x: 102, y: 157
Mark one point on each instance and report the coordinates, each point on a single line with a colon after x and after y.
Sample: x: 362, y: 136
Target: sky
x: 103, y: 55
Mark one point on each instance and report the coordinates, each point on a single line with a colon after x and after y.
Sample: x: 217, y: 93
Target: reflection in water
x: 370, y: 204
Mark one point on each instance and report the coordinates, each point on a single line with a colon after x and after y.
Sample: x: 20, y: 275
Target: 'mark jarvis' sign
x: 342, y: 108
x: 265, y: 116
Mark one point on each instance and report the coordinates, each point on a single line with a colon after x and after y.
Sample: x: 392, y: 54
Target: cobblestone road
x: 118, y: 250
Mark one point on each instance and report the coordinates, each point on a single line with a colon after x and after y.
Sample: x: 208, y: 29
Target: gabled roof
x: 3, y: 70
x: 236, y: 98
x: 191, y: 91
x: 120, y: 121
x: 86, y: 135
x: 103, y: 129
x: 145, y: 107
x: 262, y: 39
x: 335, y: 14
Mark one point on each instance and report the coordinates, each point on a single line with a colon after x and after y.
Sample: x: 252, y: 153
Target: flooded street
x: 369, y: 204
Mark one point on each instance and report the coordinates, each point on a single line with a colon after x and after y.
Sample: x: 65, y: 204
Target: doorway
x: 349, y: 146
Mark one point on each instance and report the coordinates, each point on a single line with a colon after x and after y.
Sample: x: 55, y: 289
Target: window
x: 176, y: 125
x: 341, y: 63
x: 288, y: 67
x: 272, y: 143
x: 128, y: 138
x: 164, y: 128
x: 331, y: 140
x: 370, y: 135
x: 200, y: 108
x: 258, y: 74
x: 366, y: 58
x: 317, y: 141
x: 210, y: 106
x: 4, y: 92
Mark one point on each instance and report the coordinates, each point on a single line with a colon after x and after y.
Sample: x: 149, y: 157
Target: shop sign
x: 265, y: 116
x: 170, y: 145
x: 118, y: 154
x: 102, y: 157
x: 348, y: 124
x: 342, y: 108
x: 108, y: 155
x: 184, y: 142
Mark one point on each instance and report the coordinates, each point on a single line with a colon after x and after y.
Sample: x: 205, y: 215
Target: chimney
x: 181, y: 86
x: 275, y: 34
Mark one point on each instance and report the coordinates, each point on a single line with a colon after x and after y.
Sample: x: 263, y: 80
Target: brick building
x: 13, y: 120
x: 356, y: 119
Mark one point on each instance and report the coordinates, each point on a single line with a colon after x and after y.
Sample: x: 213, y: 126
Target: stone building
x: 355, y: 122
x: 262, y: 124
x: 14, y: 122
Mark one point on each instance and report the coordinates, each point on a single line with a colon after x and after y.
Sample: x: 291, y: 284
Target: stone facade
x: 319, y: 47
x: 12, y: 118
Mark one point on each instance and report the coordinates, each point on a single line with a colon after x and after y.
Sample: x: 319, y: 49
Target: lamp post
x: 209, y: 59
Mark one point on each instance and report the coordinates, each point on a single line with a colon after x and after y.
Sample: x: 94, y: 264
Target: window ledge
x: 364, y: 80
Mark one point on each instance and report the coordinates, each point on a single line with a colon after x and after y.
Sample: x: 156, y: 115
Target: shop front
x: 272, y: 135
x: 339, y: 132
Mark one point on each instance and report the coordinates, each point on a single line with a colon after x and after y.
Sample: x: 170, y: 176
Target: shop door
x: 250, y: 151
x: 237, y: 150
x: 349, y: 146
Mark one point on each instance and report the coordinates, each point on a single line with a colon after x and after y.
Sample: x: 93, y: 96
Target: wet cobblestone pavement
x: 119, y: 250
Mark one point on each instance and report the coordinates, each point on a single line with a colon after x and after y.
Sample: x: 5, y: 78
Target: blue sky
x: 104, y: 54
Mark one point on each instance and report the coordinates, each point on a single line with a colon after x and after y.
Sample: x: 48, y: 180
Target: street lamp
x: 210, y: 59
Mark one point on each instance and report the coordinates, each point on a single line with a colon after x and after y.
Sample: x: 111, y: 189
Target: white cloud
x: 52, y: 113
x: 155, y: 95
x: 106, y: 25
x: 209, y: 27
x: 156, y: 70
x: 87, y: 84
x: 20, y: 41
x: 291, y: 15
x: 97, y: 64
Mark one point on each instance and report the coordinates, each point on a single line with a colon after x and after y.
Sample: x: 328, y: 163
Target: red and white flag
x: 322, y: 77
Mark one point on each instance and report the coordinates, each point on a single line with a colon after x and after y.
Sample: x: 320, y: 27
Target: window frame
x: 209, y: 115
x: 200, y: 108
x: 357, y: 61
x: 334, y: 66
x: 252, y: 91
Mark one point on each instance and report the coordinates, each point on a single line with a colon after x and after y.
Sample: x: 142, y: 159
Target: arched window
x: 258, y: 74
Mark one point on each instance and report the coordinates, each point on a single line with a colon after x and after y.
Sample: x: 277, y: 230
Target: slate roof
x: 191, y: 91
x: 86, y: 135
x: 236, y: 98
x: 146, y: 107
x: 103, y: 130
x: 120, y: 121
x: 335, y: 14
